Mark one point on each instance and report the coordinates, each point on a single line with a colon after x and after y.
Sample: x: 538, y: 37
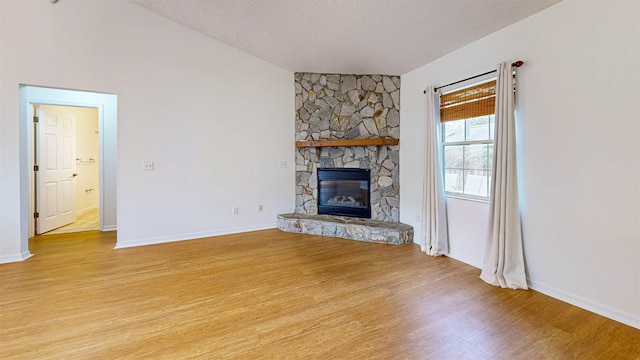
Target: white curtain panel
x: 434, y: 240
x: 503, y: 263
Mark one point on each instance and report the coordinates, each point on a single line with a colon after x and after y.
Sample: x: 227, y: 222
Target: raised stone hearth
x: 383, y: 232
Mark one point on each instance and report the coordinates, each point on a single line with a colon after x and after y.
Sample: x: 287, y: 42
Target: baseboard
x: 15, y: 258
x: 109, y: 228
x: 190, y: 236
x: 587, y: 304
x: 83, y: 211
x: 579, y: 301
x: 465, y: 260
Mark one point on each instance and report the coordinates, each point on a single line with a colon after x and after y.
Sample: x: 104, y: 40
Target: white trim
x: 190, y: 236
x: 15, y: 258
x: 110, y: 228
x: 586, y: 304
x: 579, y: 301
x: 459, y: 196
x: 466, y: 260
x: 84, y: 211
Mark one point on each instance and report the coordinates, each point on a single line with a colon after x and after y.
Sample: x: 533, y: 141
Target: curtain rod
x: 515, y: 64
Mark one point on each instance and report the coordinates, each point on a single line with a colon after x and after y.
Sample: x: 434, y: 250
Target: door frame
x: 107, y: 149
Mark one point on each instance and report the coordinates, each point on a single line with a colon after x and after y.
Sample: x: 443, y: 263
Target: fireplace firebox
x: 344, y: 192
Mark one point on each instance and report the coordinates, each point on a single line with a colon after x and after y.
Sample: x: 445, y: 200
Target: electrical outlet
x: 148, y: 165
x: 260, y: 208
x: 283, y: 164
x: 235, y: 210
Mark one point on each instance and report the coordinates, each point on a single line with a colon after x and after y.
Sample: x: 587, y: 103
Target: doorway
x: 67, y: 180
x: 105, y: 105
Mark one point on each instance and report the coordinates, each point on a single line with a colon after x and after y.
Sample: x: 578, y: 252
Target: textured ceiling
x: 347, y: 36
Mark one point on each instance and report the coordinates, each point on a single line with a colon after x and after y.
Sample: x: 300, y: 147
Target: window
x: 467, y: 117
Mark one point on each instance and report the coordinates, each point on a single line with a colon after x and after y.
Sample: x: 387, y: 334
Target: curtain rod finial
x: 518, y: 63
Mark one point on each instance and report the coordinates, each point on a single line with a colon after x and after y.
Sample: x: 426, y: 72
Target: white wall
x: 578, y: 111
x: 216, y: 121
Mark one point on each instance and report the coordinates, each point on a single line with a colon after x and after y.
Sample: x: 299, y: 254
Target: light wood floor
x: 270, y: 294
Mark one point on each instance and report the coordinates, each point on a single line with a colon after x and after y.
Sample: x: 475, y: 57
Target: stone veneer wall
x: 332, y: 107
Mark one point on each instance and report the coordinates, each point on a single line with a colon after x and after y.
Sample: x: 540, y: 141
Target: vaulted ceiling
x: 347, y: 36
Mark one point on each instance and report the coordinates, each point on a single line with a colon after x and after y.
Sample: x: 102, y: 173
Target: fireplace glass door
x: 344, y: 192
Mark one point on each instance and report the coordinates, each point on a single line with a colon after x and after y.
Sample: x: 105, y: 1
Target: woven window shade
x: 478, y: 100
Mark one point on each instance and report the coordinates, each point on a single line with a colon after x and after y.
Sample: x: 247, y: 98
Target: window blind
x: 474, y: 101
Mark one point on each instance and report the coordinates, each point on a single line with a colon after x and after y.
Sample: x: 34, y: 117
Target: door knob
x: 74, y: 175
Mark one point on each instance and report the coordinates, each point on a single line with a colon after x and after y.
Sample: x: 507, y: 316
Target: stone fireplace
x: 335, y: 107
x: 348, y: 122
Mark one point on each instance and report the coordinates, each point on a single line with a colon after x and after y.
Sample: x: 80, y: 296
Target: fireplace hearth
x: 344, y: 192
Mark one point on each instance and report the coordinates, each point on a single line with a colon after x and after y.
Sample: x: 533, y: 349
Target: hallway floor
x: 88, y: 221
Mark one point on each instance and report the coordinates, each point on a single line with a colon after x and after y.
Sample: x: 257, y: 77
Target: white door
x: 56, y: 160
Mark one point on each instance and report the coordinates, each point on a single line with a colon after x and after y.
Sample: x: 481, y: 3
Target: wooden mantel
x: 347, y: 142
